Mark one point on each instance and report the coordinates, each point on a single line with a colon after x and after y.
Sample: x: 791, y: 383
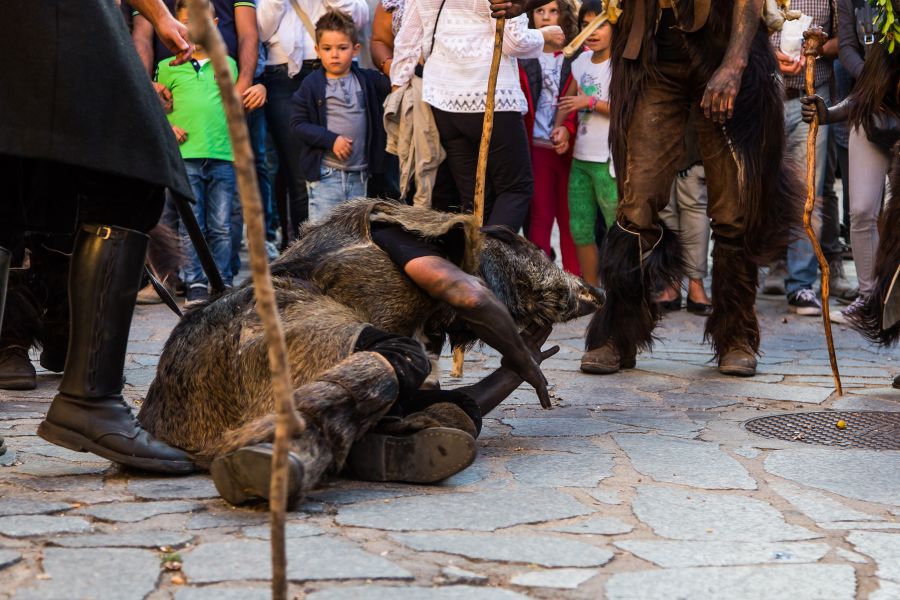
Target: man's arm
x: 851, y: 55
x: 514, y: 8
x: 142, y: 37
x: 482, y: 311
x: 172, y: 33
x: 248, y: 46
x: 723, y: 87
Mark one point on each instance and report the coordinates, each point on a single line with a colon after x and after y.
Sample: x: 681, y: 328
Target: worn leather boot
x: 16, y: 370
x: 424, y: 447
x: 89, y: 413
x: 738, y: 361
x: 605, y: 360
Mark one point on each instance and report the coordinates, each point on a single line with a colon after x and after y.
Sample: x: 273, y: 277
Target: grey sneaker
x: 774, y: 282
x: 804, y: 302
x: 195, y: 295
x: 840, y: 287
x: 849, y: 314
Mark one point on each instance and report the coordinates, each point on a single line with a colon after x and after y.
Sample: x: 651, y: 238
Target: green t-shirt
x: 197, y: 107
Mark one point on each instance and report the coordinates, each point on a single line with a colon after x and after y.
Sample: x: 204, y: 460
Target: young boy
x: 337, y: 118
x: 198, y: 121
x: 591, y: 179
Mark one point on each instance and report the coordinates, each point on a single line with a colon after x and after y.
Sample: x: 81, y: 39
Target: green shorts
x: 590, y: 186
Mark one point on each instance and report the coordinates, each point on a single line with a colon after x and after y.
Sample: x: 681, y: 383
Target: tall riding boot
x: 89, y: 413
x: 5, y: 259
x: 629, y: 273
x: 732, y: 328
x: 338, y: 408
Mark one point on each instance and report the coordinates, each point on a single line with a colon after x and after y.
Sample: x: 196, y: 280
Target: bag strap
x: 434, y: 29
x: 305, y: 19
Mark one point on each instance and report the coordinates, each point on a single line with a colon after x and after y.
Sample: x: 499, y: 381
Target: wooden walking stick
x: 487, y: 129
x: 813, y: 40
x: 204, y: 33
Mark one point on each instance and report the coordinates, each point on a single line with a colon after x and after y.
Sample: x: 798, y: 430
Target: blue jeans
x: 802, y: 266
x: 334, y: 187
x: 215, y: 191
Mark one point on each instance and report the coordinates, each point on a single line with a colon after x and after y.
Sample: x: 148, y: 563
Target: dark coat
x: 535, y: 78
x: 309, y: 122
x: 74, y: 91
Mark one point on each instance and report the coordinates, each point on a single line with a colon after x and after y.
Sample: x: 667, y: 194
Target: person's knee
x: 406, y: 355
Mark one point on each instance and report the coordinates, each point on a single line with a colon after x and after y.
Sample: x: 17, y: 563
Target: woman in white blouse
x: 457, y: 38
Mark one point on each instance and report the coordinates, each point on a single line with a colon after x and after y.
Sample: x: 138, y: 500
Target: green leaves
x: 886, y: 22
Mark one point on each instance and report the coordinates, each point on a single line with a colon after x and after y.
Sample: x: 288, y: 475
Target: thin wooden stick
x: 288, y: 423
x: 814, y: 39
x: 487, y: 128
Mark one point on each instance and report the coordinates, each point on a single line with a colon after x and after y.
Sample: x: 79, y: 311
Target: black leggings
x: 509, y: 184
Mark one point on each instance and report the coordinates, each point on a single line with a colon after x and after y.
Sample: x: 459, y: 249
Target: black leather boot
x: 5, y: 259
x: 89, y: 413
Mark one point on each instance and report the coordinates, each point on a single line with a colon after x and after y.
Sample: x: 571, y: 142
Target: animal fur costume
x: 212, y: 392
x: 750, y: 186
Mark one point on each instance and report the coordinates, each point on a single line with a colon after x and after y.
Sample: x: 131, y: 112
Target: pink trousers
x: 551, y: 201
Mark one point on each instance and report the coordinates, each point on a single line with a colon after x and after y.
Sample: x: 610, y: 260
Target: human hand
x: 568, y: 104
x: 174, y: 35
x: 254, y: 97
x: 527, y: 364
x: 342, y: 148
x: 180, y: 134
x: 560, y: 137
x: 789, y: 65
x: 814, y: 107
x: 507, y: 8
x: 721, y: 92
x: 554, y: 38
x: 165, y: 96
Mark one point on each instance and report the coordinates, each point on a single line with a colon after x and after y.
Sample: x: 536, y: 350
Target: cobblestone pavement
x: 641, y: 485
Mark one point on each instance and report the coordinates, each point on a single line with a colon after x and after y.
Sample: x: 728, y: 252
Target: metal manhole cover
x: 874, y: 430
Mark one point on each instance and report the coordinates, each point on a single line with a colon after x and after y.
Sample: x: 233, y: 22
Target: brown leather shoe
x: 16, y: 370
x: 605, y: 360
x: 740, y: 362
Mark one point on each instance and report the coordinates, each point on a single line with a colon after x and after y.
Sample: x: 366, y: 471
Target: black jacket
x: 74, y: 91
x: 532, y: 68
x: 309, y: 122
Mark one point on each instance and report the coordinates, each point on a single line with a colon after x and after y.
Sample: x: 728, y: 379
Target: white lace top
x: 456, y: 69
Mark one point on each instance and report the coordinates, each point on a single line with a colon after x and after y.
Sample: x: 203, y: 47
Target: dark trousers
x: 509, y: 184
x: 279, y: 90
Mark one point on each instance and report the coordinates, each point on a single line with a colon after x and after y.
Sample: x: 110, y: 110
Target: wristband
x: 592, y: 103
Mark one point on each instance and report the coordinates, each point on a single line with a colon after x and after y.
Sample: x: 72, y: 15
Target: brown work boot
x: 605, y: 360
x: 740, y: 362
x: 16, y: 370
x: 424, y: 447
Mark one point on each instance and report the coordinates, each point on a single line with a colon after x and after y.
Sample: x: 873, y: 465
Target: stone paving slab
x: 670, y: 554
x: 309, y: 559
x: 692, y: 515
x: 597, y: 526
x: 566, y: 579
x: 459, y: 592
x: 121, y: 574
x: 485, y: 511
x: 862, y: 474
x: 21, y: 506
x: 688, y: 462
x: 9, y: 558
x: 817, y: 506
x: 539, y: 550
x: 768, y: 391
x: 35, y: 525
x: 131, y: 539
x: 224, y: 593
x: 883, y: 547
x: 132, y: 512
x: 562, y: 470
x: 788, y: 582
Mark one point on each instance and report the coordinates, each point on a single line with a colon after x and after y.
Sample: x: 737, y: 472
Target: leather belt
x: 792, y: 93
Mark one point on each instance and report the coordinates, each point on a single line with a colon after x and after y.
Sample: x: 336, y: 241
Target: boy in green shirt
x: 198, y: 121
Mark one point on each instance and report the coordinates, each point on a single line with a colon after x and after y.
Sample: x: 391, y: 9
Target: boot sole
x: 246, y: 474
x: 18, y: 383
x: 79, y: 443
x: 427, y: 456
x: 738, y: 371
x: 595, y: 369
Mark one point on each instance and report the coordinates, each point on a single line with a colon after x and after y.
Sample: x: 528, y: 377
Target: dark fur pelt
x: 732, y: 323
x: 772, y: 187
x: 164, y: 252
x: 629, y: 314
x: 869, y: 322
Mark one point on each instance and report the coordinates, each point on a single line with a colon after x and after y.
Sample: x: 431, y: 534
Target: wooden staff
x: 813, y: 40
x: 487, y: 129
x: 204, y: 33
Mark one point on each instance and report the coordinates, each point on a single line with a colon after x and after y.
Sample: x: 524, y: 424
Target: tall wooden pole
x: 487, y: 129
x: 205, y: 34
x: 813, y: 40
